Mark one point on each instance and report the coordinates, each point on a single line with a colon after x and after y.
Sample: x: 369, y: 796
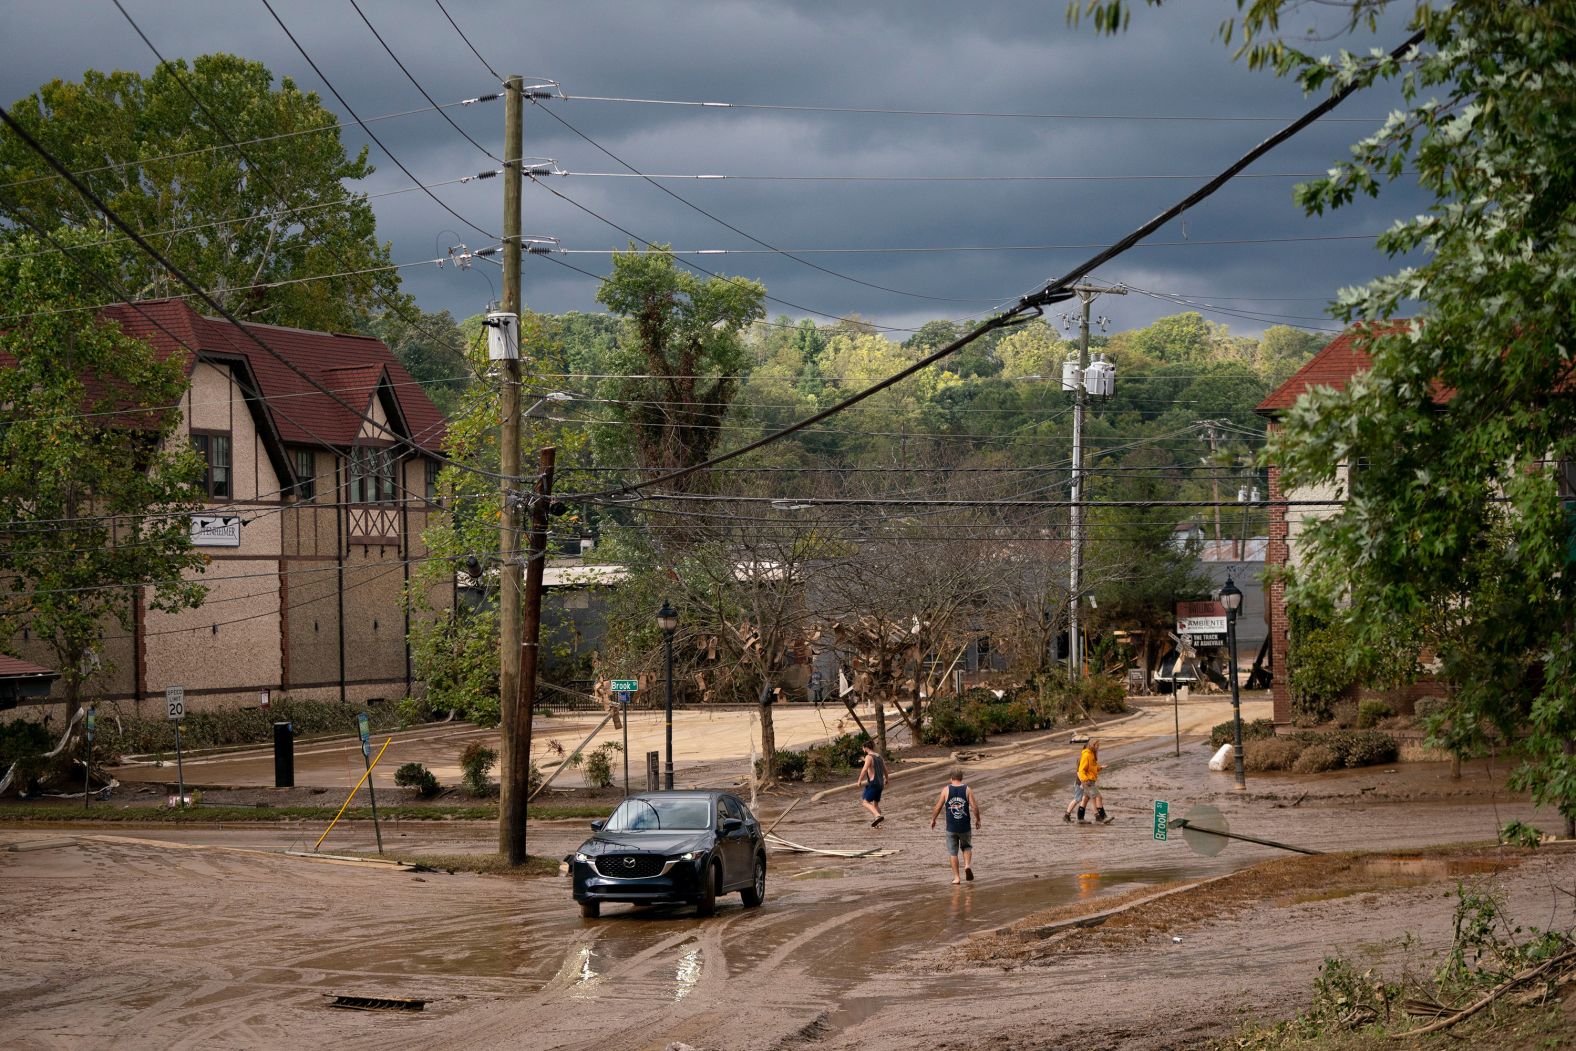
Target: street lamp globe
x: 668, y: 617
x: 1231, y: 597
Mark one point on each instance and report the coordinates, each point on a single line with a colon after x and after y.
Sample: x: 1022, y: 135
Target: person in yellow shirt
x: 1088, y: 785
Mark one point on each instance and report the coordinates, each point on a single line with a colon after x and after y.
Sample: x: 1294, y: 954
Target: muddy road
x: 211, y: 938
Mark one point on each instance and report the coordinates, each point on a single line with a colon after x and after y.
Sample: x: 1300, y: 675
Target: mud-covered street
x: 210, y: 937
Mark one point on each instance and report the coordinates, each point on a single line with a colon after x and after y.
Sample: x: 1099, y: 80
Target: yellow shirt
x: 1088, y: 766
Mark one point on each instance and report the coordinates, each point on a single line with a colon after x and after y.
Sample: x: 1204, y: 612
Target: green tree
x: 681, y: 335
x: 432, y: 349
x: 95, y: 485
x: 146, y: 148
x: 1465, y: 423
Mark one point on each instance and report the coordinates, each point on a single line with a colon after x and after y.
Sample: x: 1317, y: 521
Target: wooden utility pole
x: 1086, y: 293
x: 1212, y: 435
x: 530, y: 640
x: 511, y: 801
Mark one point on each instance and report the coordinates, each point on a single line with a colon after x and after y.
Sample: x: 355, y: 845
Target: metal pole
x: 1075, y: 553
x: 87, y: 765
x: 180, y: 771
x: 1236, y: 697
x: 1176, y: 715
x: 372, y: 792
x: 667, y: 645
x: 509, y: 810
x: 626, y: 751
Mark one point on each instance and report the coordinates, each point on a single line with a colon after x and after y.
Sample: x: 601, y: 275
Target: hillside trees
x: 144, y: 146
x: 95, y: 490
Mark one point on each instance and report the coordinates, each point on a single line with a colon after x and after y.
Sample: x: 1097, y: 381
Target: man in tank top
x: 873, y: 776
x: 963, y: 816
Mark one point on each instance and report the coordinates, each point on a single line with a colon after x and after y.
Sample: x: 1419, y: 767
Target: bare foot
x: 955, y: 882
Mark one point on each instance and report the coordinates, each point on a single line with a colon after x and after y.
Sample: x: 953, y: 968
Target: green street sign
x: 1162, y: 814
x: 624, y: 685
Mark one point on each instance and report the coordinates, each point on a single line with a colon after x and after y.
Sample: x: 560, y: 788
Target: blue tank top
x: 878, y: 771
x: 957, y: 808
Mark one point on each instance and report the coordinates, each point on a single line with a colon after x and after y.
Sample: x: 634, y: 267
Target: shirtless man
x: 873, y: 776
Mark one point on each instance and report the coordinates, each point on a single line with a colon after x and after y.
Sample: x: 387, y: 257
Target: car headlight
x: 584, y: 859
x: 690, y: 855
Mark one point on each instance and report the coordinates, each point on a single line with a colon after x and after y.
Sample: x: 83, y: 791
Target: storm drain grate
x: 377, y: 1003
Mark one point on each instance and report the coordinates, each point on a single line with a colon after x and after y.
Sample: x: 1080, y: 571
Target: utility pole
x: 530, y: 641
x: 1212, y: 435
x: 511, y: 801
x: 1086, y: 294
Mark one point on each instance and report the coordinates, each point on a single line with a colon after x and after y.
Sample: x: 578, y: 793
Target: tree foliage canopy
x: 245, y: 233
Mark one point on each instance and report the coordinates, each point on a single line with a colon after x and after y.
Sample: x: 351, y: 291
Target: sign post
x: 623, y: 700
x: 363, y: 727
x: 91, y: 725
x: 1162, y: 815
x: 175, y: 709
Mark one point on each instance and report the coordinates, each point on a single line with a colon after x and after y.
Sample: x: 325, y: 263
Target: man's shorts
x: 957, y: 841
x: 1087, y: 790
x: 872, y: 792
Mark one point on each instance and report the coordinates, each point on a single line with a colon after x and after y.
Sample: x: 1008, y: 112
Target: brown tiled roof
x: 1340, y: 360
x: 11, y: 668
x: 351, y: 366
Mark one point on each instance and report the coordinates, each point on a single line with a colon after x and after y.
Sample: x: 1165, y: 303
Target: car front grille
x: 630, y: 866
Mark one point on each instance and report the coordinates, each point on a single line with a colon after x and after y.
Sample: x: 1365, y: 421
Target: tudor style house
x: 314, y: 520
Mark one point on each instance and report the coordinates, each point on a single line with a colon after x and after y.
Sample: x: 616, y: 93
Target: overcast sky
x: 1079, y: 100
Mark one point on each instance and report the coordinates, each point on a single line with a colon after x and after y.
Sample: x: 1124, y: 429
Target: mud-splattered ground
x: 174, y: 938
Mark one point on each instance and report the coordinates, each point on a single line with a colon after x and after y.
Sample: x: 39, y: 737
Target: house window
x: 306, y: 474
x: 432, y: 481
x: 371, y: 475
x: 215, y: 450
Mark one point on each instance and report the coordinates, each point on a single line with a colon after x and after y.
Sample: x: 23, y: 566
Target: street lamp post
x: 668, y: 621
x: 1231, y: 598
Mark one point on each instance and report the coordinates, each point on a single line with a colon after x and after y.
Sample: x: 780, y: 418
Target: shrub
x: 1369, y: 748
x: 414, y: 775
x: 822, y: 762
x: 598, y: 764
x: 1100, y: 694
x: 1427, y: 708
x: 121, y: 734
x: 24, y: 743
x: 1316, y: 759
x: 1344, y: 715
x: 1225, y: 733
x: 476, y: 763
x: 950, y: 725
x: 790, y: 765
x: 1321, y: 665
x: 1275, y: 753
x: 1371, y: 712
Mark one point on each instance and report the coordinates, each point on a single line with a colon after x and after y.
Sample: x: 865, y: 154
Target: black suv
x: 665, y: 847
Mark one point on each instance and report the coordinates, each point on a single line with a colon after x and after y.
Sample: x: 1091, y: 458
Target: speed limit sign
x: 175, y: 702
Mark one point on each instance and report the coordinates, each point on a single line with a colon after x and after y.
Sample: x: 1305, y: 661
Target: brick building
x: 314, y: 519
x: 1334, y: 366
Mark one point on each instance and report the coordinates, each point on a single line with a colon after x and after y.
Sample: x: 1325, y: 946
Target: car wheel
x: 590, y: 909
x: 706, y: 904
x: 755, y: 893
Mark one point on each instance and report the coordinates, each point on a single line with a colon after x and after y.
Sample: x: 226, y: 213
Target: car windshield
x: 650, y: 815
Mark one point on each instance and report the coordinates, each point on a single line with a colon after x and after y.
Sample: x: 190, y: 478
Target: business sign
x: 1204, y: 623
x: 175, y: 703
x: 216, y: 530
x: 624, y: 685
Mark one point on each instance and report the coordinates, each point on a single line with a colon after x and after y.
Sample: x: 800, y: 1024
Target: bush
x: 1371, y: 712
x: 950, y: 725
x: 120, y: 734
x: 1316, y: 759
x: 414, y: 775
x: 476, y: 763
x: 1276, y: 753
x: 598, y: 764
x: 790, y: 765
x: 1100, y: 694
x: 823, y: 762
x: 1321, y: 665
x: 24, y: 743
x: 1369, y: 748
x: 1225, y: 733
x: 1344, y: 715
x: 1427, y: 708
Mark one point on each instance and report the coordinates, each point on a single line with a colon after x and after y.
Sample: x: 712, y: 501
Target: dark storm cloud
x: 1001, y: 57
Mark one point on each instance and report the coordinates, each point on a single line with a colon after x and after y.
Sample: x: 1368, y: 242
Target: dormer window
x: 215, y: 451
x: 371, y: 475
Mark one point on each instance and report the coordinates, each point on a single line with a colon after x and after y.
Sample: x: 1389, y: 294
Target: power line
x: 1053, y: 292
x: 921, y: 250
x: 703, y: 177
x: 411, y: 77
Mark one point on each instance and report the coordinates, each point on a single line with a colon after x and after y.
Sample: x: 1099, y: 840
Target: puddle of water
x: 687, y: 973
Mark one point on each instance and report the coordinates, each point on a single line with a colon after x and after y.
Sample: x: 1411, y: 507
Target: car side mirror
x: 596, y: 826
x: 731, y: 824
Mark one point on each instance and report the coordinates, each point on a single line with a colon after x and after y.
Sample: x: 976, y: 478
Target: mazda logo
x: 629, y: 863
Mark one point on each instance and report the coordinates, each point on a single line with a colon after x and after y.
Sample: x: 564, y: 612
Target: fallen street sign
x: 624, y: 685
x: 1162, y: 814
